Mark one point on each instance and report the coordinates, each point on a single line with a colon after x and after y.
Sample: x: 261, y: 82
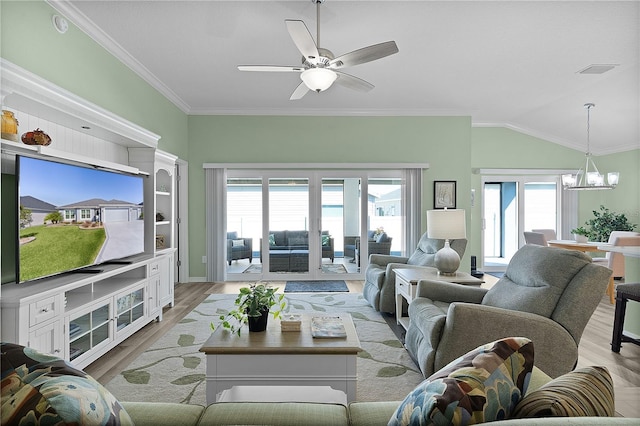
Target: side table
x: 407, y: 285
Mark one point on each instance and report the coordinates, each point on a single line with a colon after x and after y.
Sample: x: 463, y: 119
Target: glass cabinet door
x: 88, y: 330
x: 129, y: 308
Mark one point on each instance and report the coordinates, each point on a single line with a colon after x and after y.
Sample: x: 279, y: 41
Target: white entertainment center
x: 80, y: 316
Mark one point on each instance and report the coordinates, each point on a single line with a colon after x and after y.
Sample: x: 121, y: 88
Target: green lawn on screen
x: 58, y: 248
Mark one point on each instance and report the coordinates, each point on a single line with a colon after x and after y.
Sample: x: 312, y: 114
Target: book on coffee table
x: 327, y: 327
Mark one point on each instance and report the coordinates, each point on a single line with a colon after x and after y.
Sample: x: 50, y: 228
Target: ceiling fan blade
x: 366, y: 54
x: 270, y: 68
x: 300, y: 91
x: 352, y: 82
x: 303, y: 39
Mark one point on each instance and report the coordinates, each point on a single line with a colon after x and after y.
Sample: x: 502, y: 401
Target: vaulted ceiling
x: 514, y: 64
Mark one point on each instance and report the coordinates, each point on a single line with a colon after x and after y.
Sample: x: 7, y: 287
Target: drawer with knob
x: 43, y: 310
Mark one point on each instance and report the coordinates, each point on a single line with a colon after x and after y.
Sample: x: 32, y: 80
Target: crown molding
x: 555, y: 139
x: 86, y: 25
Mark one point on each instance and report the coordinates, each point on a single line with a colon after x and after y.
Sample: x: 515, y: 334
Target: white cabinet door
x: 47, y: 339
x: 153, y: 293
x: 166, y: 279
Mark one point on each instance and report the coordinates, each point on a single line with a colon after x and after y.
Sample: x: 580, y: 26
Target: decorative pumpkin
x: 36, y: 137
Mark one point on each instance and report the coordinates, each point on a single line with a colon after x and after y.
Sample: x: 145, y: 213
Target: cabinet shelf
x: 83, y: 296
x: 163, y: 222
x: 163, y: 193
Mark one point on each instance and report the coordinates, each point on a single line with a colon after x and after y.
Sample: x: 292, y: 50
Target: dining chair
x: 535, y: 238
x: 549, y: 234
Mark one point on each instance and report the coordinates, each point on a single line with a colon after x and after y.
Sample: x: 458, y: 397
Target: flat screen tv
x: 72, y: 217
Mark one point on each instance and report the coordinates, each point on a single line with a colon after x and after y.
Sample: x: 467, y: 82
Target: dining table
x: 589, y: 246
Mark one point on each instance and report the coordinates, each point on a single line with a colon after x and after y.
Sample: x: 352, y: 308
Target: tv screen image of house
x: 73, y: 216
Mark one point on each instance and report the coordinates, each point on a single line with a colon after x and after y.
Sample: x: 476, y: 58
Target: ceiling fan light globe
x: 318, y: 79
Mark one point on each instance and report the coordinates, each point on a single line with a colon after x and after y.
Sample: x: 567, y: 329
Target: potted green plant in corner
x: 253, y: 305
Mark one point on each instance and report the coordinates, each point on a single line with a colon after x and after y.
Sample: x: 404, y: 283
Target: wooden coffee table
x: 277, y: 358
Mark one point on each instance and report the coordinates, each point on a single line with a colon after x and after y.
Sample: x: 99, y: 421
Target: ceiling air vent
x: 597, y: 68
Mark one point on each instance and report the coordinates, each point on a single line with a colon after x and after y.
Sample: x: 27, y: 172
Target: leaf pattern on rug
x: 392, y: 371
x: 173, y: 368
x: 188, y: 379
x: 191, y: 362
x: 137, y: 377
x: 186, y: 340
x: 393, y: 343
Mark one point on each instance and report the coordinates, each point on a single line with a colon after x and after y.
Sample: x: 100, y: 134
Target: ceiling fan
x: 320, y: 69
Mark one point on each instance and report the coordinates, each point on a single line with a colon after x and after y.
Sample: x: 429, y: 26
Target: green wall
x: 449, y: 144
x: 443, y: 142
x: 76, y: 63
x: 519, y: 151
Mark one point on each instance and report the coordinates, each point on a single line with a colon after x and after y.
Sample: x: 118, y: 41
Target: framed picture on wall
x: 444, y: 194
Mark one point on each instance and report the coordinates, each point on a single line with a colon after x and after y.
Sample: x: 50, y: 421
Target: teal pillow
x: 482, y: 386
x: 272, y: 240
x: 42, y: 389
x: 325, y: 240
x: 382, y: 238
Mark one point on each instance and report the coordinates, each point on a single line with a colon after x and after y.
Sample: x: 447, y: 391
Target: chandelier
x: 588, y: 177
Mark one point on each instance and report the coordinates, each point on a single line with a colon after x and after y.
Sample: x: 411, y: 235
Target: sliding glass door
x: 511, y: 206
x: 309, y: 225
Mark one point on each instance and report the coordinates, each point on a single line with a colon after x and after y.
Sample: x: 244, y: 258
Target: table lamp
x: 446, y: 225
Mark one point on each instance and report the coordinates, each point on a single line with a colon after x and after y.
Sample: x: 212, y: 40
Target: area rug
x: 173, y: 370
x: 327, y: 268
x: 316, y: 286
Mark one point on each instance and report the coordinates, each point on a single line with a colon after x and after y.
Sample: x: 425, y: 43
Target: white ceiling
x: 512, y: 64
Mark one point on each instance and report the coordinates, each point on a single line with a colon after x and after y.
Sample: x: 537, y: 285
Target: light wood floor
x: 594, y: 347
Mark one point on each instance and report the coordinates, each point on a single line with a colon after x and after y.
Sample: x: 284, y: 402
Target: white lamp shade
x: 446, y: 224
x: 318, y: 79
x: 612, y: 178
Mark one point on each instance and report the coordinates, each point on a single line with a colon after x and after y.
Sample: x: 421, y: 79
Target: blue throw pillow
x: 272, y: 240
x: 382, y: 238
x: 325, y: 240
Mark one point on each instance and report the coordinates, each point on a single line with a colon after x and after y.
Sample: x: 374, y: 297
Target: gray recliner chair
x: 380, y: 278
x: 547, y: 294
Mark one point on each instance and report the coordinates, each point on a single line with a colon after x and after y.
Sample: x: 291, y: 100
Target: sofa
x: 46, y: 386
x: 289, y: 250
x: 238, y: 247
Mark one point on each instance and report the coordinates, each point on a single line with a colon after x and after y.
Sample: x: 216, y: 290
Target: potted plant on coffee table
x: 253, y: 305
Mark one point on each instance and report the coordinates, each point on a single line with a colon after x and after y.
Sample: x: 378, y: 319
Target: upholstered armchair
x: 380, y: 278
x: 547, y: 294
x: 238, y: 247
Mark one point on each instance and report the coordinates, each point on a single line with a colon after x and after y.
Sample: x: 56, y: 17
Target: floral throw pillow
x: 484, y: 385
x: 43, y: 389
